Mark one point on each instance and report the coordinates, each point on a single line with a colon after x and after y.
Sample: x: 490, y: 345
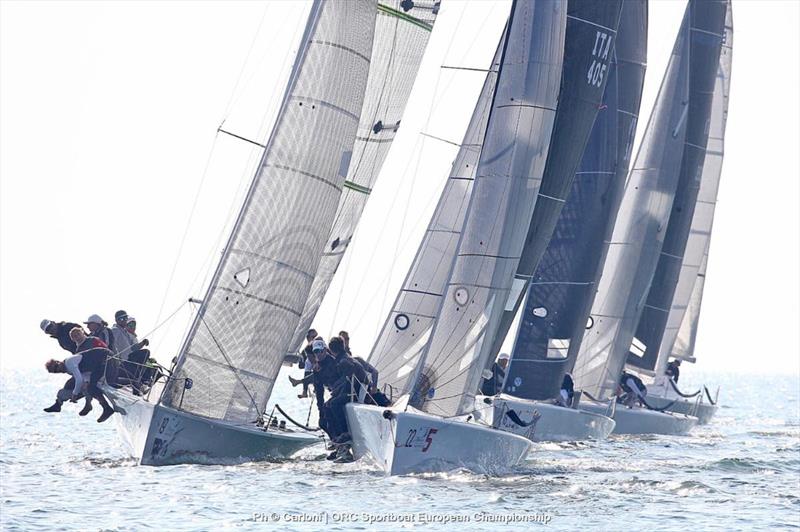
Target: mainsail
x: 503, y: 196
x: 708, y: 26
x: 408, y: 326
x: 591, y: 34
x: 242, y: 330
x: 638, y: 235
x: 684, y: 314
x: 557, y: 304
x: 402, y: 29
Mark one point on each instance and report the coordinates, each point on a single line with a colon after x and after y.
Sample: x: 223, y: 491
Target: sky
x: 117, y: 191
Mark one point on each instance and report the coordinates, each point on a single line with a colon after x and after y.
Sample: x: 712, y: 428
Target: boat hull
x: 661, y: 394
x: 553, y: 422
x: 402, y: 443
x: 157, y: 435
x: 642, y: 421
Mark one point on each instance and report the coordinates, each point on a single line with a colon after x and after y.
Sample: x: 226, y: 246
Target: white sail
x: 402, y: 30
x: 235, y: 347
x: 681, y: 328
x: 408, y: 326
x: 503, y: 197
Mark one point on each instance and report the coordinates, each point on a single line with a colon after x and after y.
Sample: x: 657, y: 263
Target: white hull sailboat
x: 542, y: 421
x: 159, y: 435
x: 662, y: 395
x: 402, y: 442
x: 639, y: 420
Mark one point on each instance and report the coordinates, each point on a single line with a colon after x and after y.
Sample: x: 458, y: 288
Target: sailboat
x: 552, y: 316
x: 645, y: 247
x: 336, y: 119
x: 436, y: 340
x: 680, y: 328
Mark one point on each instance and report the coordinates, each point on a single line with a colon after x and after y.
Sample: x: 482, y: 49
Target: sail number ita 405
x: 602, y: 46
x: 420, y: 438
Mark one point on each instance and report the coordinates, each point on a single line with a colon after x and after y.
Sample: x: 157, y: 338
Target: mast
x: 237, y: 341
x: 555, y: 312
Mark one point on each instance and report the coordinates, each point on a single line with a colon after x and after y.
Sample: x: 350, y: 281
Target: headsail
x: 555, y: 312
x: 504, y: 193
x: 644, y: 212
x: 707, y: 29
x: 590, y: 38
x: 684, y: 314
x: 408, y: 326
x: 402, y: 30
x: 237, y: 342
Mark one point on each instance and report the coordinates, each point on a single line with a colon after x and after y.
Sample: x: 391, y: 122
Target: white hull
x: 416, y: 442
x: 643, y: 421
x: 554, y: 423
x: 660, y: 394
x: 157, y: 435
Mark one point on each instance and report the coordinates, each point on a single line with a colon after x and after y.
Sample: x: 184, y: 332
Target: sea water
x: 742, y: 471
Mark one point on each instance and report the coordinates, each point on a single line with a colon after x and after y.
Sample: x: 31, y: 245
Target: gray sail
x: 237, y: 342
x: 504, y: 194
x: 708, y: 26
x: 560, y: 295
x: 635, y: 242
x: 408, y: 326
x: 684, y: 312
x: 591, y: 34
x: 402, y: 30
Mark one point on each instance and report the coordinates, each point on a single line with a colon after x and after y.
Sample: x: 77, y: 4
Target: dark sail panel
x: 708, y: 26
x: 588, y: 50
x: 563, y: 287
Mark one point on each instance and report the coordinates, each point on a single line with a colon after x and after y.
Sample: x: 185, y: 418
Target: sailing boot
x: 86, y: 409
x: 344, y: 455
x: 294, y: 381
x: 55, y: 407
x: 107, y: 411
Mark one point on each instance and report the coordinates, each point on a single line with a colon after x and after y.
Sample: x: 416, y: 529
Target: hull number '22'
x: 422, y: 438
x: 602, y: 45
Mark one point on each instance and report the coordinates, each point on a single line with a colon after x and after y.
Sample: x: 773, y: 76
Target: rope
x: 663, y: 408
x: 289, y: 418
x: 708, y: 394
x: 687, y: 396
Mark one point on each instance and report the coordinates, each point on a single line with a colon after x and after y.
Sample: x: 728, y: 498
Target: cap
x: 130, y: 320
x: 318, y: 345
x: 94, y: 318
x: 45, y: 324
x: 503, y: 356
x: 120, y: 314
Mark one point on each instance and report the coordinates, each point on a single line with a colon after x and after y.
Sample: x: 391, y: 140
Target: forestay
x: 636, y: 238
x: 707, y: 28
x: 408, y: 325
x: 555, y: 312
x: 237, y: 342
x: 681, y: 328
x: 402, y: 30
x: 504, y: 193
x: 590, y: 38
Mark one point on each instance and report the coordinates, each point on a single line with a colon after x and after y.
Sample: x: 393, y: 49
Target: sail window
x: 461, y: 295
x: 401, y: 321
x: 557, y: 348
x: 540, y: 312
x: 589, y: 323
x: 242, y: 277
x: 637, y: 347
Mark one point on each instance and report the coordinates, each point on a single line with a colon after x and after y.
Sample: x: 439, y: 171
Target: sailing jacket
x: 62, y: 335
x: 124, y: 342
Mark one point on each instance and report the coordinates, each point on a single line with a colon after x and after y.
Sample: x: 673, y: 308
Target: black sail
x: 561, y: 291
x: 589, y: 43
x: 708, y: 27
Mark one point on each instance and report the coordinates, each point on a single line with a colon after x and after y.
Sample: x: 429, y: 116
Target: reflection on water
x: 742, y: 471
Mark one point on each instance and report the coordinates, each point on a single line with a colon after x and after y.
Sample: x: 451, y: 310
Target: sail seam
x: 251, y: 296
x: 544, y: 107
x: 307, y: 174
x: 552, y: 198
x: 345, y: 48
x: 273, y: 261
x: 329, y: 105
x: 610, y: 30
